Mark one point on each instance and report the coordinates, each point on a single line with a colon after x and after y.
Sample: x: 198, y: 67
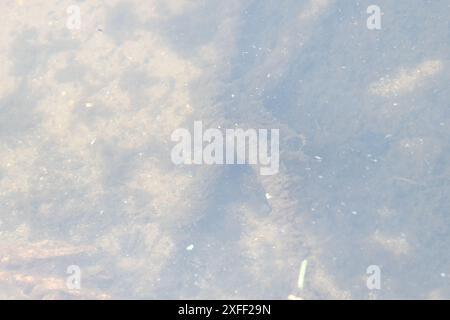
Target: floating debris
x: 190, y: 247
x: 301, y: 275
x: 318, y: 158
x: 292, y: 297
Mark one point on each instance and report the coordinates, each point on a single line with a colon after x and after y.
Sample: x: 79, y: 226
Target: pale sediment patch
x: 17, y: 168
x: 314, y: 9
x: 278, y: 243
x: 268, y: 244
x: 38, y: 282
x: 176, y: 196
x: 30, y: 286
x: 323, y: 282
x: 45, y: 249
x: 9, y: 83
x: 396, y: 245
x: 406, y: 80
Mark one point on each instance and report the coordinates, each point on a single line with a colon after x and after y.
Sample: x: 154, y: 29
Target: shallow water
x: 86, y: 177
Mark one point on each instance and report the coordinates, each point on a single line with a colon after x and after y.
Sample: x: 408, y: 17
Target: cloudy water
x: 235, y: 149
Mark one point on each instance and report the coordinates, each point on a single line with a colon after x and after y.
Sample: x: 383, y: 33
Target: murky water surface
x: 90, y: 92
